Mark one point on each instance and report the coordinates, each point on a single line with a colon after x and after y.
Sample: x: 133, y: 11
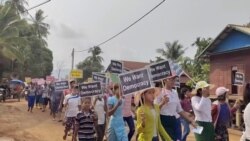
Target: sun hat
x: 137, y: 95
x: 221, y: 90
x: 201, y: 85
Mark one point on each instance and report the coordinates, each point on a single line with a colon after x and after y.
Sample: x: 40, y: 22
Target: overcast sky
x: 81, y: 24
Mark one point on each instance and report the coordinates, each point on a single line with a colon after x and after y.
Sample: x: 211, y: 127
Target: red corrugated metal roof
x: 133, y: 65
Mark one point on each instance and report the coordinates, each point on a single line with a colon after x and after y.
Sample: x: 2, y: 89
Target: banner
x: 99, y: 78
x: 41, y: 81
x: 90, y: 89
x: 76, y: 74
x: 160, y: 70
x: 115, y: 67
x: 28, y: 79
x: 239, y: 78
x: 61, y: 85
x: 135, y: 81
x: 35, y: 80
x: 50, y: 78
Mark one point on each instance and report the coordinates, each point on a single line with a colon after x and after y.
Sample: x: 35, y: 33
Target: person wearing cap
x: 116, y: 130
x: 73, y: 106
x: 148, y: 124
x: 202, y: 107
x: 171, y: 110
x: 221, y: 114
x: 246, y: 116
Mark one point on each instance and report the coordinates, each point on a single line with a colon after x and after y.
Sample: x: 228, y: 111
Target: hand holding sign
x: 119, y: 102
x: 164, y: 100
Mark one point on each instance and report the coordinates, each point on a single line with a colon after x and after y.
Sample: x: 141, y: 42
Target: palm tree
x: 10, y: 41
x: 201, y: 44
x: 95, y: 57
x: 41, y: 28
x: 19, y: 6
x: 172, y: 51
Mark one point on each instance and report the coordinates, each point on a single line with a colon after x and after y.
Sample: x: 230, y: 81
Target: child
x: 85, y: 122
x: 148, y: 118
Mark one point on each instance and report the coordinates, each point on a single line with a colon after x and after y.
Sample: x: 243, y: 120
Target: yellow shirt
x: 146, y: 133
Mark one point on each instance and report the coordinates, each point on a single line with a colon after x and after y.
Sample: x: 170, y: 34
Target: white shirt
x: 173, y: 107
x: 99, y: 109
x: 202, y: 108
x: 155, y: 130
x: 246, y: 116
x: 73, y: 102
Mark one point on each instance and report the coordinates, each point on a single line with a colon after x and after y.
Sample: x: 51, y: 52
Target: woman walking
x: 116, y: 128
x: 246, y: 96
x: 31, y: 98
x: 148, y: 124
x: 185, y: 97
x: 171, y: 109
x: 202, y: 107
x: 221, y: 114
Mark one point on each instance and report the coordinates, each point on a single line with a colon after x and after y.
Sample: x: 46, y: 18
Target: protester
x: 31, y: 97
x: 202, y: 107
x: 127, y: 115
x: 246, y: 116
x: 66, y: 94
x: 39, y: 96
x: 116, y: 128
x: 185, y: 97
x: 85, y: 122
x: 45, y: 97
x: 55, y: 101
x: 148, y: 118
x: 171, y: 109
x: 221, y: 114
x: 73, y: 106
x: 100, y: 106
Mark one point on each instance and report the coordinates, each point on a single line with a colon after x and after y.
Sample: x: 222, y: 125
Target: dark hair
x: 246, y: 95
x: 199, y: 92
x: 116, y: 87
x: 183, y: 92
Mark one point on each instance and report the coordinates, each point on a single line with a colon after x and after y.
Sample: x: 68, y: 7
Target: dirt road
x: 20, y: 125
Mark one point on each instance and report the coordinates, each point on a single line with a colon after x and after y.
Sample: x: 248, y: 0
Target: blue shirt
x: 224, y: 115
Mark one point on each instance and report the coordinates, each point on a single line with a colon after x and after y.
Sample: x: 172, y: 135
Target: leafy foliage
x: 173, y: 51
x: 92, y: 63
x: 23, y: 43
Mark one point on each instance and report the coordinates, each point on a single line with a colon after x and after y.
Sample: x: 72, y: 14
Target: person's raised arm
x: 113, y: 108
x: 198, y: 104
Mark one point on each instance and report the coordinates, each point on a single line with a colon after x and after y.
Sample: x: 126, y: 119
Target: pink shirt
x: 126, y: 110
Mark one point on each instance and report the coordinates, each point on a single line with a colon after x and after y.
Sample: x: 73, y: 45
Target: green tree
x: 173, y: 51
x: 23, y: 43
x: 92, y: 63
x: 198, y: 67
x: 18, y: 5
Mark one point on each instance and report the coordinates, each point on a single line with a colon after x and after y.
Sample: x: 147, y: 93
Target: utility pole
x: 73, y: 57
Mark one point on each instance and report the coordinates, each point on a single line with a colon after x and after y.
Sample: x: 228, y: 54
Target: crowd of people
x: 154, y: 114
